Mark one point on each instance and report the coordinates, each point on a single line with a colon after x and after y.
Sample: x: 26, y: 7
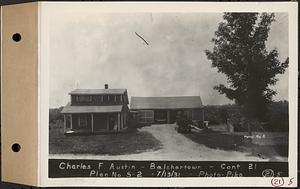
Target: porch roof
x: 68, y: 109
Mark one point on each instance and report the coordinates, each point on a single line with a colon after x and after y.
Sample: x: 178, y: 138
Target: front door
x: 101, y: 122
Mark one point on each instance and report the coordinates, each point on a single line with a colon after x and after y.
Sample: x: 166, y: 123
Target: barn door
x: 146, y: 116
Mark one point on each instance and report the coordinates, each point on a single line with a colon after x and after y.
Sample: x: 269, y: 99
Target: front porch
x: 94, y: 123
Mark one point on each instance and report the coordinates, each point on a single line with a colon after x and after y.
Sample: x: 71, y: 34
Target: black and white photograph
x: 149, y: 94
x: 168, y: 86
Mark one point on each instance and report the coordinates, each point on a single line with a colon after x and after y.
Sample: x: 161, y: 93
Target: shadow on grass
x: 271, y: 152
x: 226, y: 141
x: 216, y: 140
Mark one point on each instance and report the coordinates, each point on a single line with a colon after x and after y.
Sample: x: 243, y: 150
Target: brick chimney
x: 106, y: 86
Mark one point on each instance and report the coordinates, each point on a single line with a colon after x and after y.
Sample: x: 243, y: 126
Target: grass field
x: 102, y: 144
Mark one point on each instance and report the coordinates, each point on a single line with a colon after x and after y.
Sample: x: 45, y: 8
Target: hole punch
x: 16, y: 147
x: 16, y: 37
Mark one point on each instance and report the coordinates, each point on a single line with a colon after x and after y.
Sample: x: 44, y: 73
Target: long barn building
x: 166, y: 109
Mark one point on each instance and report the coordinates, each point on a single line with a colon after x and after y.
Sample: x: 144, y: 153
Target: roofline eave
x: 165, y: 108
x: 91, y: 112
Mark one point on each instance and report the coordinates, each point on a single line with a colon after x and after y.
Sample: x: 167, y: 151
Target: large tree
x: 240, y: 53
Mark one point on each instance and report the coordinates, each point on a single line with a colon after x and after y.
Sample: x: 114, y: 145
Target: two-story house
x: 96, y: 110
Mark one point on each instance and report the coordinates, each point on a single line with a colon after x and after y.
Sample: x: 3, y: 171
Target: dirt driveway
x: 175, y: 146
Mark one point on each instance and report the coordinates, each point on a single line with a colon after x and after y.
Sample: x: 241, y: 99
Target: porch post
x: 118, y: 128
x: 65, y: 124
x: 203, y: 116
x: 92, y: 122
x: 122, y: 121
x: 168, y: 117
x: 107, y: 121
x: 71, y: 122
x: 125, y: 114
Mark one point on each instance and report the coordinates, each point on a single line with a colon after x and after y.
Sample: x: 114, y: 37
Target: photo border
x: 290, y: 7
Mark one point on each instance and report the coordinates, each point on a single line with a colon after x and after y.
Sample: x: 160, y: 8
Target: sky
x: 88, y: 49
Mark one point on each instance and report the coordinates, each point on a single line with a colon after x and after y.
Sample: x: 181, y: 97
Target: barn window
x: 188, y: 114
x: 146, y: 116
x: 82, y: 121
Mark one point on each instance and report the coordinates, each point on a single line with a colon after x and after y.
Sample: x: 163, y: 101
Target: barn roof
x: 97, y: 91
x: 179, y: 102
x: 68, y: 109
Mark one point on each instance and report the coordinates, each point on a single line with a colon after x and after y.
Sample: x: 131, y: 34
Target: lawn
x: 273, y: 145
x: 102, y: 144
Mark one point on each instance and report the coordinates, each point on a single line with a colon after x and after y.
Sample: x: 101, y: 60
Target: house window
x: 105, y: 98
x: 111, y: 98
x: 84, y: 98
x: 146, y: 116
x: 82, y: 121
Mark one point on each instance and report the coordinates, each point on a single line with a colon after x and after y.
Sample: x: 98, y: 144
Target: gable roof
x: 68, y: 109
x: 97, y: 91
x: 179, y: 102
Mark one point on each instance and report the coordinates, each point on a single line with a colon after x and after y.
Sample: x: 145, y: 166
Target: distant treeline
x: 276, y: 118
x: 55, y: 115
